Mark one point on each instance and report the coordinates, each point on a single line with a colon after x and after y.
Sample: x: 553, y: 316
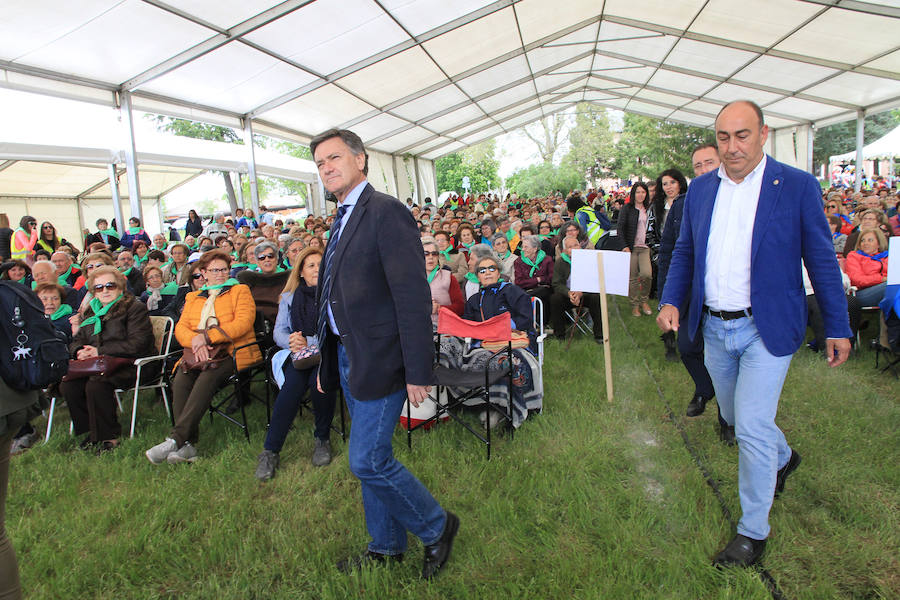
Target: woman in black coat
x: 637, y: 229
x: 115, y: 324
x: 194, y: 225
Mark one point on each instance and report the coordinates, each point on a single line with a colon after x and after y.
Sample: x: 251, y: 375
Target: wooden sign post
x: 604, y: 319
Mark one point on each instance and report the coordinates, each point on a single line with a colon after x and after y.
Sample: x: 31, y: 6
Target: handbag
x: 306, y: 357
x: 218, y: 353
x: 102, y: 365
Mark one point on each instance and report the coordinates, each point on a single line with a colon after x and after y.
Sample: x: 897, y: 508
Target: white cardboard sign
x: 586, y: 278
x: 893, y: 261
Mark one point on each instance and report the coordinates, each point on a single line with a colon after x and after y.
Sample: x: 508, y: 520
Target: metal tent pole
x: 134, y: 185
x: 116, y: 199
x: 251, y: 165
x: 860, y: 135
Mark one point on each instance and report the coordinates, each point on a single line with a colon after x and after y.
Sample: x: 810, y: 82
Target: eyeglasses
x: 32, y: 223
x: 432, y: 253
x: 94, y: 266
x: 48, y: 226
x: 109, y: 285
x: 217, y: 270
x: 197, y: 276
x: 483, y: 270
x: 832, y: 206
x: 265, y: 257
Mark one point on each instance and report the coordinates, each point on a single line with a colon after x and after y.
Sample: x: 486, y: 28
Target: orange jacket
x: 865, y: 272
x: 236, y: 312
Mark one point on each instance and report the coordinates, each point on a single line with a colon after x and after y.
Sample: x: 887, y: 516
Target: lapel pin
x: 775, y: 182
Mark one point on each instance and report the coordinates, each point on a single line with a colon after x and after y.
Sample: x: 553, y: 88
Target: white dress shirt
x: 349, y: 202
x: 727, y: 281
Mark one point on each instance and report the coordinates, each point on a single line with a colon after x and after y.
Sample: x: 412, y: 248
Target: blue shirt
x: 349, y: 202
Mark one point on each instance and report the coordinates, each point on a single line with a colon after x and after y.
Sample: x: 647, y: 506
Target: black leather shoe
x: 792, y: 463
x: 697, y: 406
x: 437, y: 554
x: 726, y: 434
x: 741, y: 551
x: 367, y: 559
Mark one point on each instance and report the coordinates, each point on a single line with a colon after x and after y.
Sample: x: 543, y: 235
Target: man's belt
x: 728, y: 315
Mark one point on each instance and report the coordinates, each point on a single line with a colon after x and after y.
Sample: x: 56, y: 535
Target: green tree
x: 592, y: 150
x: 548, y: 134
x: 841, y: 137
x: 204, y: 131
x: 543, y: 178
x: 648, y: 146
x: 479, y: 163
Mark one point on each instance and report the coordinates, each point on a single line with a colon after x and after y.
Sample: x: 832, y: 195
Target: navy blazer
x: 380, y: 300
x: 790, y: 225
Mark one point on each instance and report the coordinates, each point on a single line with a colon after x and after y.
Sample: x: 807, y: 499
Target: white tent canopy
x: 428, y: 77
x: 882, y: 148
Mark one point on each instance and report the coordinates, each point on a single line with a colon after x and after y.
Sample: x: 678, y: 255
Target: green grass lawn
x: 589, y: 500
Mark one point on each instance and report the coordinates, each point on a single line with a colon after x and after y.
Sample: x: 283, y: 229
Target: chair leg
x: 134, y: 410
x: 242, y: 397
x: 50, y: 419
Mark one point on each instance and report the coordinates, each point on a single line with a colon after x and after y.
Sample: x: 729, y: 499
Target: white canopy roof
x: 428, y: 77
x: 885, y: 147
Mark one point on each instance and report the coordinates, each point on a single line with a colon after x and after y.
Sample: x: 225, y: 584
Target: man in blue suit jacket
x: 375, y: 340
x: 744, y: 231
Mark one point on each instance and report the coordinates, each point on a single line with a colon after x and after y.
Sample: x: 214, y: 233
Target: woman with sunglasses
x: 834, y: 205
x: 24, y: 238
x: 222, y: 311
x: 115, y: 324
x: 48, y: 239
x: 496, y: 297
x: 267, y: 282
x: 445, y: 290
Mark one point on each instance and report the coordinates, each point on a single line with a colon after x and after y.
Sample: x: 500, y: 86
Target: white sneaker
x: 158, y: 453
x: 186, y: 453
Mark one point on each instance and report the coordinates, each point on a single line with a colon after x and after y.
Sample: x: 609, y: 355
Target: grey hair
x: 532, y: 241
x: 482, y: 251
x: 352, y: 141
x: 293, y: 241
x: 499, y: 236
x: 429, y: 241
x: 262, y: 247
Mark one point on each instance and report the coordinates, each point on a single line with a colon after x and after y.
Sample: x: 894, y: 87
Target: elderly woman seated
x: 115, y: 324
x: 157, y: 295
x: 445, y: 290
x: 493, y: 298
x: 220, y: 315
x: 295, y: 367
x: 507, y: 259
x: 868, y: 267
x: 534, y: 270
x: 471, y: 284
x: 51, y: 296
x: 268, y: 282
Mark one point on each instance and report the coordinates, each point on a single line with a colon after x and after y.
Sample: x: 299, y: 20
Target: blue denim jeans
x: 288, y: 403
x: 393, y: 499
x: 748, y: 381
x: 871, y: 295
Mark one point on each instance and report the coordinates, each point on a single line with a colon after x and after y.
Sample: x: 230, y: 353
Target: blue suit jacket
x: 790, y: 225
x: 380, y: 300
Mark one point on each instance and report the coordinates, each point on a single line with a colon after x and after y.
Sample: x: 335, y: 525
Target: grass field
x: 589, y: 500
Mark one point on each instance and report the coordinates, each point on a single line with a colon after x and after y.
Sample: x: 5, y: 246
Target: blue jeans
x: 288, y: 403
x: 393, y: 499
x: 871, y: 295
x: 748, y: 381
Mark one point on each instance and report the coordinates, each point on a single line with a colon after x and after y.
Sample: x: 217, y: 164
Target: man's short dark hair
x: 700, y: 147
x: 352, y: 140
x: 751, y: 104
x: 101, y: 221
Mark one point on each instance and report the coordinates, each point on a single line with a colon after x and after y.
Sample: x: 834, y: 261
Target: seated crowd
x: 484, y: 256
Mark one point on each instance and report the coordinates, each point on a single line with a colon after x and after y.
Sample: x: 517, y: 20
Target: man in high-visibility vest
x: 586, y: 219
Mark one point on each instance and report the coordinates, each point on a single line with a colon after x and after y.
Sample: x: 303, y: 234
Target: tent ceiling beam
x: 97, y: 186
x: 863, y: 7
x: 7, y: 164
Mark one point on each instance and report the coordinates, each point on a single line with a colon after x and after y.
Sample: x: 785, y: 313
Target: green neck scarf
x: 505, y: 256
x: 566, y: 257
x: 537, y: 262
x: 64, y: 278
x: 433, y: 273
x: 134, y: 230
x: 169, y: 289
x: 127, y: 272
x: 554, y: 231
x: 22, y: 281
x: 473, y: 278
x: 230, y: 282
x: 446, y: 254
x: 468, y: 246
x: 64, y: 310
x: 110, y: 233
x: 99, y: 311
x: 510, y: 234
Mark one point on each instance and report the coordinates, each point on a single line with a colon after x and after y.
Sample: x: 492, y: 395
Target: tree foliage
x: 543, y: 178
x: 649, y: 146
x: 592, y: 150
x: 479, y: 163
x: 841, y: 137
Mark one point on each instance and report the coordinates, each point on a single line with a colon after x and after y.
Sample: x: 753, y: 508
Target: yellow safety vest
x: 594, y: 230
x: 17, y: 252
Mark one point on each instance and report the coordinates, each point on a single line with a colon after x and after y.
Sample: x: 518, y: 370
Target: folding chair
x: 241, y: 380
x: 537, y: 316
x: 305, y: 401
x: 476, y: 384
x: 163, y: 331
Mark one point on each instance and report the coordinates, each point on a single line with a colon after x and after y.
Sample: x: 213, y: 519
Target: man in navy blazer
x: 745, y: 230
x: 375, y: 340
